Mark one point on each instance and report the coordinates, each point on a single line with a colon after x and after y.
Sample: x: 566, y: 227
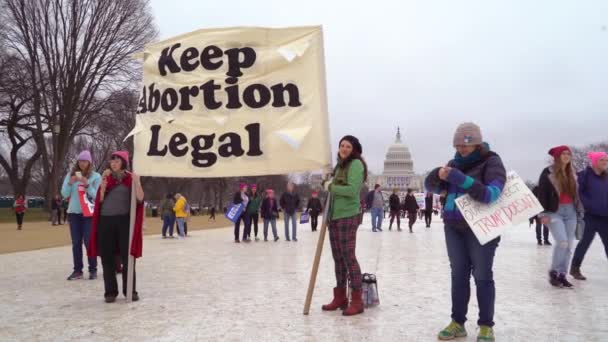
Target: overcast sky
x: 532, y: 74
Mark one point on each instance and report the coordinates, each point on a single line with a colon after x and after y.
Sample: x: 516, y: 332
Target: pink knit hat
x: 242, y: 186
x: 595, y: 157
x: 253, y: 186
x: 124, y: 155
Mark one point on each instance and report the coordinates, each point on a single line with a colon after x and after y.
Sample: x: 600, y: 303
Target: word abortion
x: 211, y: 92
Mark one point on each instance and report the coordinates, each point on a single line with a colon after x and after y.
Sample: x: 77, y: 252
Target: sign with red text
x: 515, y: 205
x: 240, y: 101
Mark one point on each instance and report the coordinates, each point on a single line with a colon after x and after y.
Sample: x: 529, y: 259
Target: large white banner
x: 515, y: 205
x: 233, y: 102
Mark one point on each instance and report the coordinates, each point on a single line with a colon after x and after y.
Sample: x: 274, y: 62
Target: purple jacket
x: 593, y: 191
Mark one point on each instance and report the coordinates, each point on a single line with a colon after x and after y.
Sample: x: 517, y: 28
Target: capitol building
x: 398, y: 170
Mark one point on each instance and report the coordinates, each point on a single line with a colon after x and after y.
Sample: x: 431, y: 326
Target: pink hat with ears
x: 595, y: 157
x: 242, y: 186
x: 253, y: 186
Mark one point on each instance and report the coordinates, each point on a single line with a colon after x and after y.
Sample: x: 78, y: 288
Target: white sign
x: 515, y: 205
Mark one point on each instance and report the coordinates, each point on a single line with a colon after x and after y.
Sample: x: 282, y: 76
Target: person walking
x: 20, y: 207
x: 542, y: 231
x: 111, y: 224
x: 167, y: 215
x: 253, y: 211
x: 82, y: 178
x: 375, y: 201
x: 348, y: 178
x: 290, y: 202
x: 395, y: 209
x: 270, y: 214
x: 428, y: 209
x: 314, y: 208
x: 558, y: 194
x: 238, y: 198
x: 181, y: 213
x: 593, y: 192
x: 478, y: 172
x: 411, y: 207
x: 56, y: 211
x: 212, y: 214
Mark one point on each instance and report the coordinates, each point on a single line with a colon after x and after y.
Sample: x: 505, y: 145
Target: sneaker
x: 92, y: 275
x: 452, y: 331
x: 75, y: 275
x: 486, y: 334
x: 110, y: 299
x: 564, y: 281
x: 553, y: 279
x: 276, y: 239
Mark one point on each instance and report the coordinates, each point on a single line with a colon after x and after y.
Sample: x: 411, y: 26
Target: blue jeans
x: 80, y: 232
x: 468, y: 256
x: 563, y: 229
x: 593, y: 224
x: 180, y: 226
x: 377, y: 214
x: 273, y: 223
x: 168, y: 222
x: 294, y: 227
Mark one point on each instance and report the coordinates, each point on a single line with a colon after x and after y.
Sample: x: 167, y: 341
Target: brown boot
x: 356, y: 304
x: 340, y: 300
x: 576, y: 273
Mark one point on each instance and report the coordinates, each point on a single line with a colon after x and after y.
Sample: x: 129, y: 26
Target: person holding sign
x: 558, y: 194
x: 478, y: 172
x: 349, y: 175
x: 111, y: 224
x: 593, y: 191
x: 81, y: 176
x: 241, y: 198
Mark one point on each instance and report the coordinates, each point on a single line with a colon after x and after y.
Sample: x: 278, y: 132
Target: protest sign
x: 233, y: 102
x: 515, y: 205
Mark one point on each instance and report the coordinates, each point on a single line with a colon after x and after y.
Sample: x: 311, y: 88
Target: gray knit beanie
x: 468, y: 134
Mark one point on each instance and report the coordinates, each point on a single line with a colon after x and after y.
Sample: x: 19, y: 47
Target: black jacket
x: 269, y: 209
x: 237, y: 199
x: 314, y: 206
x: 428, y: 203
x: 548, y: 195
x: 290, y: 202
x: 394, y: 202
x: 410, y: 205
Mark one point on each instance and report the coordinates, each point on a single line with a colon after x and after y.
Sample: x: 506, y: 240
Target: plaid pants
x: 343, y: 239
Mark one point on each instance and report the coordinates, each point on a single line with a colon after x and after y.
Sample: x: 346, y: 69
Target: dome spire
x: 398, y: 138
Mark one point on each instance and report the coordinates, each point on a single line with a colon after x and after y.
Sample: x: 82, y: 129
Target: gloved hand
x: 327, y: 183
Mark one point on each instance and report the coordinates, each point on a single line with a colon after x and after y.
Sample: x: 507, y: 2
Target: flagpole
x: 131, y: 262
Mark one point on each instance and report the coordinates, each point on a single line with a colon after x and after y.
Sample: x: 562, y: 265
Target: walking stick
x: 317, y: 260
x: 131, y: 262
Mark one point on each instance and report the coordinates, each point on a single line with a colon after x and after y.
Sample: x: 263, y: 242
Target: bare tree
x: 77, y: 53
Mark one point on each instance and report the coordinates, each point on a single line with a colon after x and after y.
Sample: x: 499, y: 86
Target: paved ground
x: 207, y: 288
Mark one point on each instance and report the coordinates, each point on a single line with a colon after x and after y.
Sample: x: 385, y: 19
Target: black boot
x: 553, y: 279
x: 547, y: 243
x: 562, y: 279
x: 540, y: 243
x: 576, y: 273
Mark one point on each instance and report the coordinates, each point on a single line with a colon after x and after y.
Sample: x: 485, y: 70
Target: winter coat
x: 410, y: 204
x: 71, y: 191
x: 394, y: 202
x: 483, y: 180
x: 290, y: 202
x: 166, y: 207
x: 345, y: 190
x: 593, y: 192
x: 548, y: 193
x: 253, y: 207
x: 180, y: 208
x: 314, y: 206
x: 269, y: 209
x: 428, y: 203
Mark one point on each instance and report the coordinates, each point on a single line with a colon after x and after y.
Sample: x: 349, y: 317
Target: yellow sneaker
x: 452, y: 331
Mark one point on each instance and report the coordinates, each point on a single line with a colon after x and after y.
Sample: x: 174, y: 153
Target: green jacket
x: 254, y: 204
x: 345, y: 190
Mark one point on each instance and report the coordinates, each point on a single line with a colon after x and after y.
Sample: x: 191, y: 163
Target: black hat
x: 353, y: 141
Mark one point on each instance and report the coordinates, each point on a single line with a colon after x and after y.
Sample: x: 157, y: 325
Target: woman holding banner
x: 80, y: 185
x: 348, y: 178
x: 558, y: 194
x: 478, y: 172
x: 241, y: 197
x: 111, y: 224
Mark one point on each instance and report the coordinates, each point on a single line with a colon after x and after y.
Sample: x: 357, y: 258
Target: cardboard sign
x: 515, y: 205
